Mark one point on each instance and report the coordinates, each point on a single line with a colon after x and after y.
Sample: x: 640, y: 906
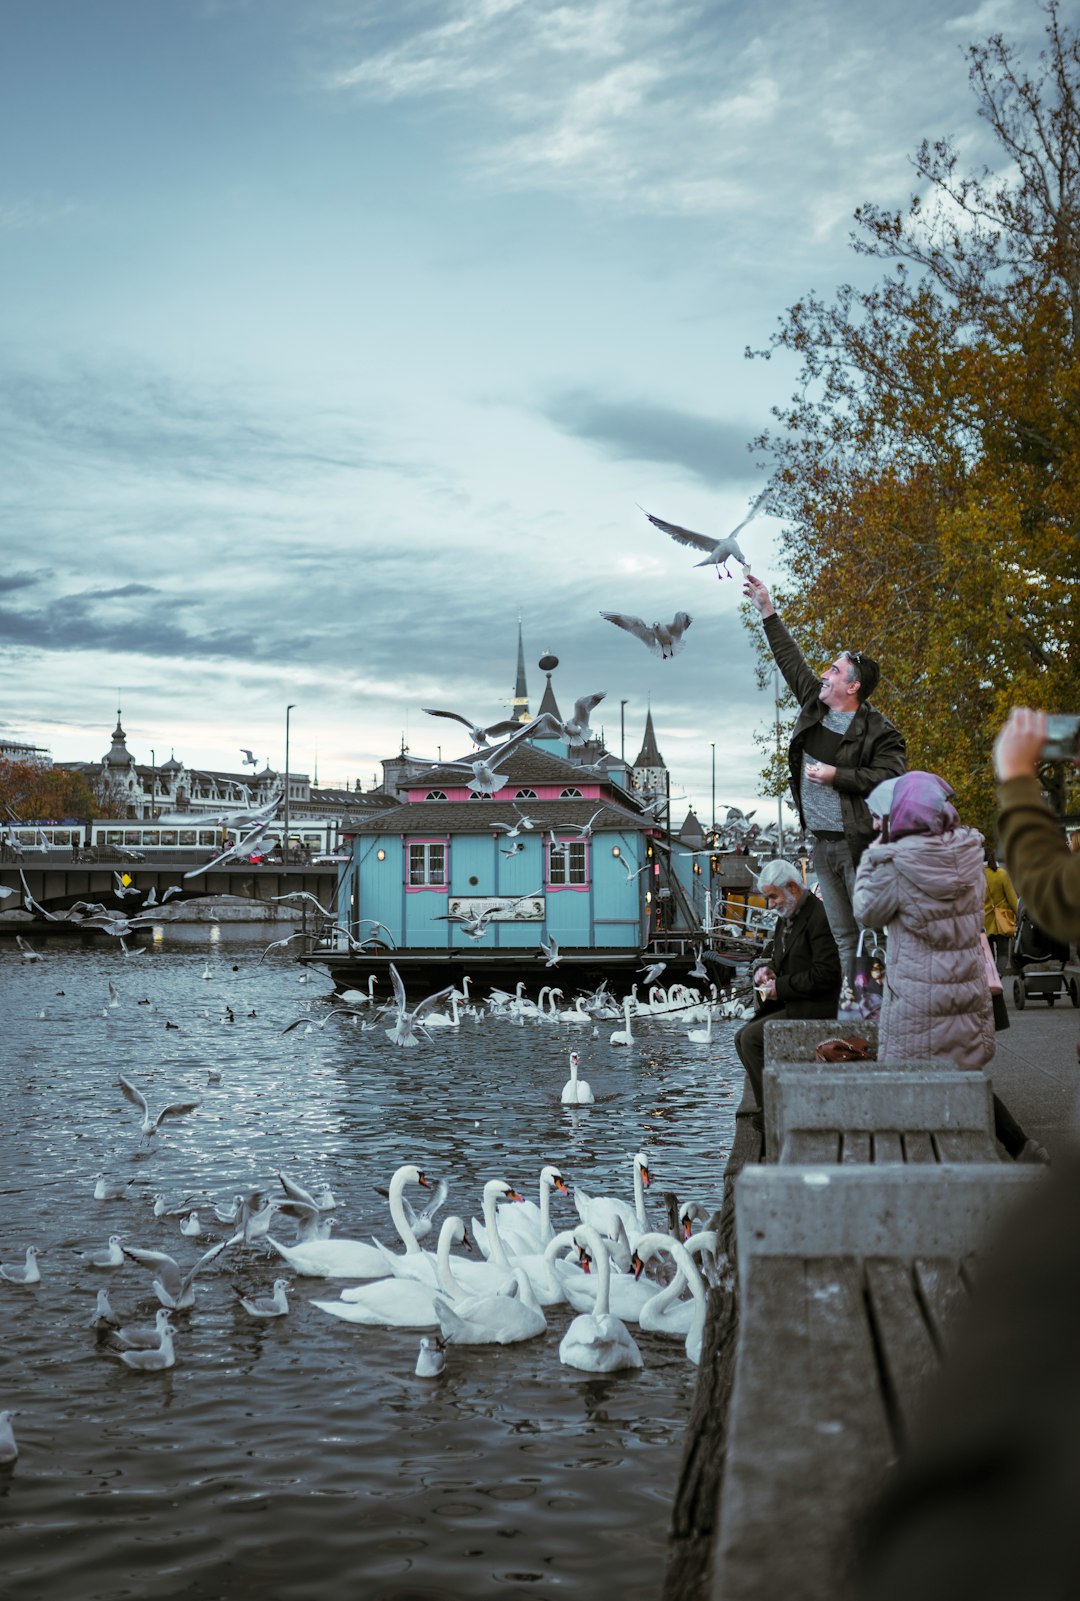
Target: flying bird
x: 150, y: 1125
x: 404, y: 1031
x: 719, y: 551
x: 486, y: 778
x: 663, y: 639
x: 576, y: 729
x: 479, y: 735
x: 249, y: 759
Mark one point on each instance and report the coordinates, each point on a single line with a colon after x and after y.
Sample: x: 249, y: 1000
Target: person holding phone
x: 1044, y: 870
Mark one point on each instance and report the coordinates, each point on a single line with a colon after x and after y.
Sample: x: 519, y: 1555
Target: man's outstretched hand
x: 759, y: 595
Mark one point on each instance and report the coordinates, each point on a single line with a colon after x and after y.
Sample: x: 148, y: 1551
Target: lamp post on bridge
x: 153, y: 782
x: 285, y: 843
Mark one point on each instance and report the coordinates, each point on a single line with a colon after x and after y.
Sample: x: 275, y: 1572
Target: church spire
x: 520, y: 712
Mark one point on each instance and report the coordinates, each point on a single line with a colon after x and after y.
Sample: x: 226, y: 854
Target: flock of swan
x: 509, y: 1276
x: 598, y: 1268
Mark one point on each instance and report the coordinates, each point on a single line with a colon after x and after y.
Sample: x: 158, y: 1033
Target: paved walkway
x: 1036, y: 1072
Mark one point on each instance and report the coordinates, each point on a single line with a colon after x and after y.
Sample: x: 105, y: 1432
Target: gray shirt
x: 820, y: 802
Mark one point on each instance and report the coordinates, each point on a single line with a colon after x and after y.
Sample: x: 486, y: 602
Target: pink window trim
x: 558, y: 889
x: 507, y: 793
x: 427, y: 839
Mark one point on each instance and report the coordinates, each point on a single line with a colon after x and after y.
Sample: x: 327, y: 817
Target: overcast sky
x: 339, y: 332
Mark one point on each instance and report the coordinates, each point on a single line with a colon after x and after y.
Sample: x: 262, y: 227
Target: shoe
x: 1034, y: 1152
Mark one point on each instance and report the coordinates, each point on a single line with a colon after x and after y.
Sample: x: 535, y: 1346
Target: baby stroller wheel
x: 1019, y: 994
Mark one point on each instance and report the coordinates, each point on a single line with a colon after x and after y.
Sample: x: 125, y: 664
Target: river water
x: 301, y: 1457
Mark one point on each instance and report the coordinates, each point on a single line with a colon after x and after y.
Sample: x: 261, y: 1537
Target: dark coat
x: 808, y: 966
x: 871, y: 750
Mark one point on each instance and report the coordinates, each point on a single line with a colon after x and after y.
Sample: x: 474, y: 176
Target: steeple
x: 649, y: 755
x: 520, y: 712
x: 119, y: 755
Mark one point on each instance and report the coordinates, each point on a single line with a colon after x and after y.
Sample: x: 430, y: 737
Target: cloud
x: 78, y: 622
x: 139, y: 418
x: 711, y: 450
x: 13, y: 581
x: 691, y: 110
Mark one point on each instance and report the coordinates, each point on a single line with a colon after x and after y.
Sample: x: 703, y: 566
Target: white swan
x: 493, y: 1319
x: 597, y: 1342
x: 493, y: 1276
x: 668, y: 1313
x: 576, y: 1091
x: 527, y: 1226
x: 702, y: 1036
x: 361, y: 997
x: 451, y: 1019
x: 548, y: 1272
x: 604, y: 1212
x: 623, y: 1036
x: 578, y: 1013
x: 402, y: 1303
x: 354, y: 1259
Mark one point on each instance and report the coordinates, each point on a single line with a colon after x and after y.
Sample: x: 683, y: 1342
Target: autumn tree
x: 32, y: 790
x: 927, y: 467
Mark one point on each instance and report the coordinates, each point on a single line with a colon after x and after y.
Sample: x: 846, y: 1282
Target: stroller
x: 1039, y: 962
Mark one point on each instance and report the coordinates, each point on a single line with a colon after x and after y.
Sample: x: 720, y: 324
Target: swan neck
x: 397, y: 1212
x: 491, y: 1223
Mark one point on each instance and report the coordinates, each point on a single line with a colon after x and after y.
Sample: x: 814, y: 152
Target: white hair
x: 779, y: 874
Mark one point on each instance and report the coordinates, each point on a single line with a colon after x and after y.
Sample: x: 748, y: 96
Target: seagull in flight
x: 486, y: 778
x: 479, y: 735
x: 250, y: 760
x: 550, y: 951
x: 663, y: 639
x: 719, y: 551
x: 523, y: 824
x: 576, y: 729
x: 174, y: 1289
x: 150, y: 1125
x: 406, y: 1024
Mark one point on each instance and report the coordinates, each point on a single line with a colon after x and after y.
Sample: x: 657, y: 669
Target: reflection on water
x: 301, y: 1456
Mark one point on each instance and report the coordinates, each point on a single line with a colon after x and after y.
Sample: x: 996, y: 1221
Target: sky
x: 338, y: 335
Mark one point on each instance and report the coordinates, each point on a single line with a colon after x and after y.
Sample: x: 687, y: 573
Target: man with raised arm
x: 841, y: 747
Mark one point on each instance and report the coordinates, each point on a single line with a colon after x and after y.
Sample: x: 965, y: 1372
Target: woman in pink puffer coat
x: 926, y: 881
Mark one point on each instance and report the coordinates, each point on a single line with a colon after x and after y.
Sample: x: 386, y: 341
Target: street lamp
x: 713, y: 816
x: 153, y: 780
x: 285, y: 844
x: 622, y: 732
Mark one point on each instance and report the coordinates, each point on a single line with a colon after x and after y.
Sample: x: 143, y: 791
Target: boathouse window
x: 435, y: 794
x: 525, y: 794
x: 567, y: 863
x: 475, y: 796
x: 570, y: 794
x: 427, y: 864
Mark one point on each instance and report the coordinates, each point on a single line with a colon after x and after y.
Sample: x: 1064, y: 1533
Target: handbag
x: 869, y: 977
x: 993, y: 979
x: 1005, y: 920
x: 852, y: 1049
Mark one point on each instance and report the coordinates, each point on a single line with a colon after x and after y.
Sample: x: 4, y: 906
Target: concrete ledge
x: 949, y: 1210
x: 867, y: 1102
x: 796, y: 1039
x: 811, y: 1070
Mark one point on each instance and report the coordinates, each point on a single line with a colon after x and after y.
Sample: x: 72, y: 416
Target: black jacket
x: 807, y: 964
x: 871, y: 750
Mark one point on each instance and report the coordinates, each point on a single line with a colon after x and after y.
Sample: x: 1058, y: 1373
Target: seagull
x: 550, y: 951
x: 479, y: 735
x: 585, y: 831
x: 486, y: 779
x: 27, y: 951
x: 9, y: 1449
x: 26, y: 1272
x: 174, y: 1289
x: 114, y: 995
x: 404, y: 1031
x: 190, y: 1226
x: 250, y: 760
x: 576, y: 729
x: 663, y: 639
x: 155, y: 1361
x: 430, y: 1361
x: 104, y: 1317
x: 515, y: 849
x: 150, y: 1124
x: 523, y: 823
x: 112, y: 1257
x: 144, y: 1339
x: 652, y: 972
x: 275, y: 1305
x: 106, y: 1189
x: 254, y: 1216
x: 631, y: 872
x: 719, y: 551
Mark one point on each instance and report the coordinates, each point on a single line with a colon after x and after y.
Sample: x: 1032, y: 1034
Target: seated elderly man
x: 802, y: 976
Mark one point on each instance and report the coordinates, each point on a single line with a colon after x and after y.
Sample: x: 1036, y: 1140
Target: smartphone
x: 1062, y: 743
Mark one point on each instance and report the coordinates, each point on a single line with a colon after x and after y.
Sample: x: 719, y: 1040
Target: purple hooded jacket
x: 927, y: 884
